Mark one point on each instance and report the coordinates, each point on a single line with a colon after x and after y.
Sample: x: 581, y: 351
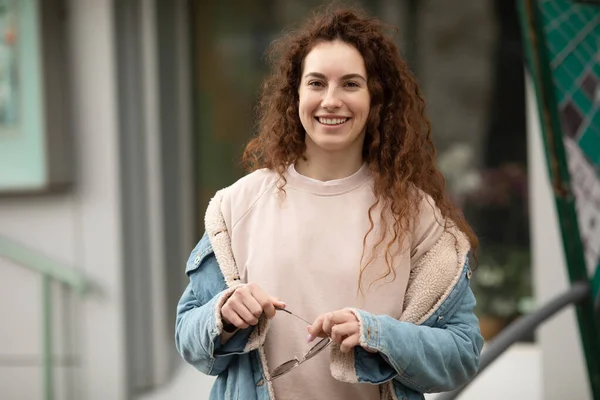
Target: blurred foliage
x: 498, y: 209
x: 502, y: 282
x: 495, y: 201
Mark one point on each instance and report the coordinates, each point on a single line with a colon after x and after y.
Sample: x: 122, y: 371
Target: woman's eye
x: 315, y: 83
x: 352, y: 84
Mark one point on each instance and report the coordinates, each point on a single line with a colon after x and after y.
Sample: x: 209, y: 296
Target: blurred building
x: 156, y: 100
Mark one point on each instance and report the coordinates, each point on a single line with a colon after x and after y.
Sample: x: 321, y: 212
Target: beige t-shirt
x: 305, y: 248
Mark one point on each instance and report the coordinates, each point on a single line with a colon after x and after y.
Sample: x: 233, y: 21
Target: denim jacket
x: 434, y: 346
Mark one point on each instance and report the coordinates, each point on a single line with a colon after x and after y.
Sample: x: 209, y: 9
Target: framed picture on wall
x: 35, y: 145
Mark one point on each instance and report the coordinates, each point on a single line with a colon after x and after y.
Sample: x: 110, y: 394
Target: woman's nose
x: 331, y: 99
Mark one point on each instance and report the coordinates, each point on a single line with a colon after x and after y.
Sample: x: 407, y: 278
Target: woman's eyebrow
x: 344, y: 77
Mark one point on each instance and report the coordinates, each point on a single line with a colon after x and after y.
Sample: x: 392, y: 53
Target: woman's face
x: 334, y: 98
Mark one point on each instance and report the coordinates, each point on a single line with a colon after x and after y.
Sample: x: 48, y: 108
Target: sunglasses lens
x: 318, y: 348
x: 284, y: 368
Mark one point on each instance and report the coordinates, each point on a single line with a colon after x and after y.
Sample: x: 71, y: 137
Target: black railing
x: 522, y: 328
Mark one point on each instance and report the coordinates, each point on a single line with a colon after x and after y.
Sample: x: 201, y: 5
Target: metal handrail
x: 522, y: 327
x: 50, y: 270
x: 40, y: 263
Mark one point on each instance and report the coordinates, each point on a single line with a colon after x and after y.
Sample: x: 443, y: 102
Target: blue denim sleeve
x: 426, y: 359
x: 197, y: 333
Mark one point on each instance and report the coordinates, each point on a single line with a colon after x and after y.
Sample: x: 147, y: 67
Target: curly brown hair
x: 397, y: 148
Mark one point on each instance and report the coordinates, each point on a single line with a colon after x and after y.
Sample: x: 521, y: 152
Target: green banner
x: 562, y: 40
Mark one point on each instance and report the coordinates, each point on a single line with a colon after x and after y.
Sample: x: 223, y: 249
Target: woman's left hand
x: 341, y: 326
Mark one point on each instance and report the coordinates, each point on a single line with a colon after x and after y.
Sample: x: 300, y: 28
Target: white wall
x: 564, y: 375
x: 81, y: 228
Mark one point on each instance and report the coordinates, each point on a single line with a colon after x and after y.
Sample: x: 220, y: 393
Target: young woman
x: 338, y: 269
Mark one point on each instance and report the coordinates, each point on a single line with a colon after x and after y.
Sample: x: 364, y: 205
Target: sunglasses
x: 293, y: 363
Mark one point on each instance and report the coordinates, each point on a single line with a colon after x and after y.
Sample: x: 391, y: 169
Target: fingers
x: 250, y: 310
x: 347, y: 334
x: 264, y: 302
x: 337, y: 325
x: 322, y: 325
x: 342, y: 331
x: 278, y: 303
x: 350, y: 342
x: 246, y: 305
x: 236, y: 313
x: 316, y: 329
x: 342, y: 316
x: 230, y: 316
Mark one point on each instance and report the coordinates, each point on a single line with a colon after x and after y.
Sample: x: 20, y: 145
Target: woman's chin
x: 335, y: 143
x: 332, y: 143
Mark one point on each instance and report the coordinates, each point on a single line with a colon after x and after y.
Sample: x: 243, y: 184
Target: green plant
x: 495, y: 201
x: 502, y: 281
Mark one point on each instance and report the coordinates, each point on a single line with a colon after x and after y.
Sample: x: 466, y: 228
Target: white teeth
x: 332, y: 121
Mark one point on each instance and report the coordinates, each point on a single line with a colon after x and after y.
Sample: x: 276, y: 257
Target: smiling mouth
x: 332, y: 121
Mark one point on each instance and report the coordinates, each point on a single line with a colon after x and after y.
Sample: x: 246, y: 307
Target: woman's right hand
x: 247, y: 303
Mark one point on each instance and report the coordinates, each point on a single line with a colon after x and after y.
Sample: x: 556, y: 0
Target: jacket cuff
x: 217, y: 309
x: 369, y: 330
x: 343, y: 365
x: 238, y: 340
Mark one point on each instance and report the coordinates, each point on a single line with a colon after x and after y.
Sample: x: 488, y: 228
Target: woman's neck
x: 328, y: 168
